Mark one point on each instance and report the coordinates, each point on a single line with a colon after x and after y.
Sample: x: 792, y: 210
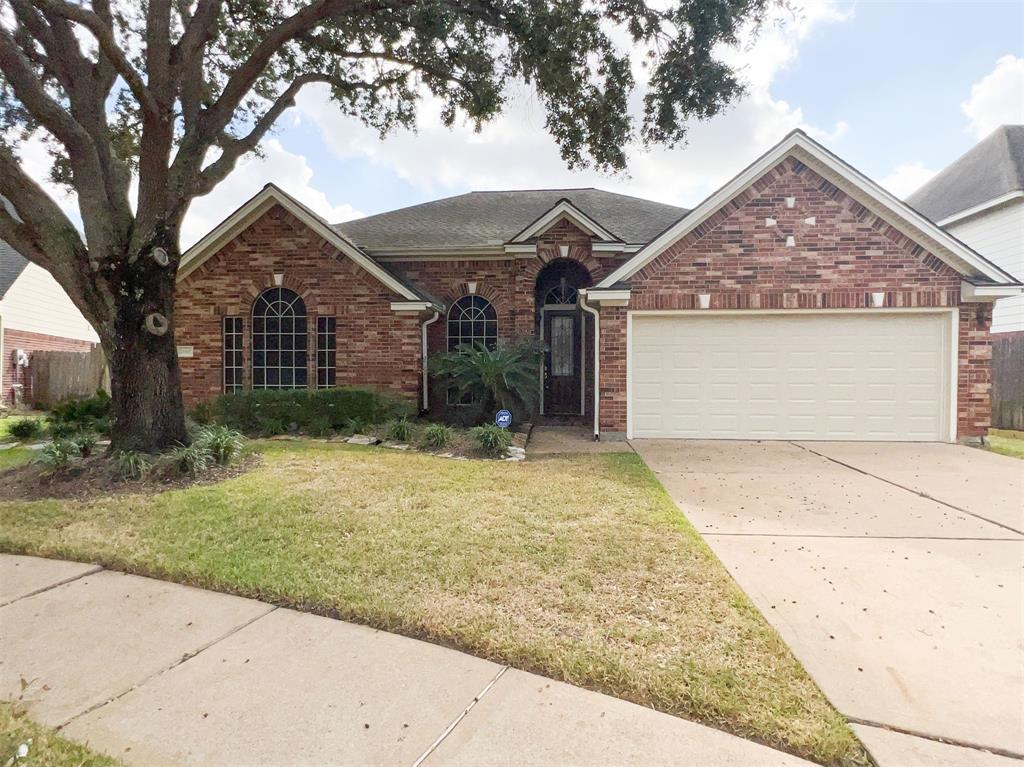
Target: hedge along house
x: 800, y: 301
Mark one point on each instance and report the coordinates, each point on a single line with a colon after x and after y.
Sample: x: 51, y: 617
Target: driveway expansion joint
x: 183, y: 659
x: 95, y: 569
x: 455, y: 723
x: 936, y: 738
x: 909, y: 489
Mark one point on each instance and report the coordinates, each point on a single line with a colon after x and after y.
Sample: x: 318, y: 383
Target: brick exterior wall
x: 31, y: 342
x: 836, y: 262
x: 375, y: 346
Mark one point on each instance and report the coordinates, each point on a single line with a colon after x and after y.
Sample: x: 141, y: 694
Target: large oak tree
x: 171, y: 93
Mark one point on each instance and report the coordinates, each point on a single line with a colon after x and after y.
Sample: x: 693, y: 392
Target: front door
x: 563, y: 363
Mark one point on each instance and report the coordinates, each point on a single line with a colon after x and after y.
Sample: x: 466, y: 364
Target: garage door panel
x: 815, y: 376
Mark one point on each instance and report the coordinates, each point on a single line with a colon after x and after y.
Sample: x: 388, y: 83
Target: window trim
x: 297, y: 306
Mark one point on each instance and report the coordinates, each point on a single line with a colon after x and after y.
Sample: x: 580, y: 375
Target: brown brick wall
x: 375, y: 346
x: 31, y: 342
x: 837, y: 262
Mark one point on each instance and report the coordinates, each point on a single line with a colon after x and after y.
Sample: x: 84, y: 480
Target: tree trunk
x: 149, y: 413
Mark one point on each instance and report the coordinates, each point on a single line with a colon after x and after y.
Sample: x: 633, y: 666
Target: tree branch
x: 108, y: 45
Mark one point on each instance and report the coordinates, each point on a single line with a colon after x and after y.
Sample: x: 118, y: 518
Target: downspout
x: 597, y: 361
x: 423, y: 328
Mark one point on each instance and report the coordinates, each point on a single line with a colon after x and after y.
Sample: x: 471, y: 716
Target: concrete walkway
x: 160, y: 674
x: 893, y: 571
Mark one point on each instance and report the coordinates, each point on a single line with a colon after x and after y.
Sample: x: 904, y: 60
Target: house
x: 799, y: 301
x: 979, y: 199
x: 35, y: 315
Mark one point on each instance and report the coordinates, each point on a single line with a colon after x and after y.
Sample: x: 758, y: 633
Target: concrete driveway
x: 893, y: 571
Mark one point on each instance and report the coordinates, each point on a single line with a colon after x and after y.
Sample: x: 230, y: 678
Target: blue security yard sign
x: 503, y: 419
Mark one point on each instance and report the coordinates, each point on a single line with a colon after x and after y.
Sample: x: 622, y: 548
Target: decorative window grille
x: 326, y: 353
x: 279, y: 341
x: 472, y: 320
x: 232, y: 354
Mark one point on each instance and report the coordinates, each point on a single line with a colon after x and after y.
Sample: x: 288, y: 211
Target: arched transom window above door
x: 472, y: 320
x: 279, y: 341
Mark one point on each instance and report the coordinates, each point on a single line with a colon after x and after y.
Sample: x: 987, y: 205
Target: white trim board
x: 565, y: 209
x: 263, y: 201
x: 798, y: 144
x: 995, y: 202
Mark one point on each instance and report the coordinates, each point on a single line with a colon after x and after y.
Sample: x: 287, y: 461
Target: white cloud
x: 998, y: 99
x: 515, y: 151
x: 288, y: 170
x: 907, y: 178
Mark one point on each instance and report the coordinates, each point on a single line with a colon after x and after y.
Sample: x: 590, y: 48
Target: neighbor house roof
x: 991, y: 171
x: 12, y: 264
x: 494, y: 218
x: 798, y: 144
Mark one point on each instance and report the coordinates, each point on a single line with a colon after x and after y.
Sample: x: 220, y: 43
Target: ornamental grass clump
x: 224, y: 444
x: 399, y: 430
x: 131, y: 464
x: 493, y: 441
x: 438, y: 435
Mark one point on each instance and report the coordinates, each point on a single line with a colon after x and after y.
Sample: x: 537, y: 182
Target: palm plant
x: 502, y: 377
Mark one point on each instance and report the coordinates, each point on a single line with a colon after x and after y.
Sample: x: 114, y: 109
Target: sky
x: 897, y: 89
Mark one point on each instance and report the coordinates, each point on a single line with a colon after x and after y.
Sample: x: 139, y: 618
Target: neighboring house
x: 35, y: 315
x: 980, y: 200
x: 800, y: 301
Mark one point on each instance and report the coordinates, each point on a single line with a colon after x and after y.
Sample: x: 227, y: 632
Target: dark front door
x: 563, y: 363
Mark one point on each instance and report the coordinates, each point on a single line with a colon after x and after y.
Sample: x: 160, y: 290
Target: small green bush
x: 399, y: 430
x: 85, y: 442
x: 192, y: 459
x: 131, y: 464
x: 356, y: 425
x: 83, y: 409
x: 25, y: 429
x: 60, y: 453
x: 202, y: 414
x: 437, y: 435
x: 492, y: 440
x: 224, y: 444
x: 270, y: 412
x: 62, y: 429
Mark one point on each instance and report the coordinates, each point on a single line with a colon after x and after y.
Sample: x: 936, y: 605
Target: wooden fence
x: 58, y: 375
x: 1008, y: 381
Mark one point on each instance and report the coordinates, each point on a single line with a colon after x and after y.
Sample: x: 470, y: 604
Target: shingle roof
x: 12, y: 264
x: 491, y: 218
x: 991, y: 169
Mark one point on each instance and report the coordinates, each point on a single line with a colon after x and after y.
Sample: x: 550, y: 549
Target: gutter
x: 597, y: 361
x: 423, y: 333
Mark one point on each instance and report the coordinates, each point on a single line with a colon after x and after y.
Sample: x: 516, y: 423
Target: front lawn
x: 45, y: 748
x: 576, y: 567
x: 1006, y: 442
x: 12, y: 457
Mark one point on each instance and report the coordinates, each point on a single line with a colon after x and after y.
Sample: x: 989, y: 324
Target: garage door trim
x: 953, y: 352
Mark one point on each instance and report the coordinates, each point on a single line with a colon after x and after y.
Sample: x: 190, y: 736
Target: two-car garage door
x: 838, y: 376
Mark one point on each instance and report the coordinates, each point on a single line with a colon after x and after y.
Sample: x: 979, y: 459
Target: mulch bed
x: 97, y: 475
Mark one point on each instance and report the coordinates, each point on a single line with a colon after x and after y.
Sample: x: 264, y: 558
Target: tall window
x: 279, y: 341
x: 326, y: 353
x: 472, y: 320
x: 232, y: 354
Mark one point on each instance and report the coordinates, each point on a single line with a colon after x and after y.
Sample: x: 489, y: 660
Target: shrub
x: 503, y: 377
x: 437, y: 435
x: 356, y: 425
x: 59, y: 453
x: 131, y: 464
x: 492, y: 440
x: 224, y: 444
x: 269, y: 412
x: 85, y: 410
x: 202, y: 414
x: 191, y: 459
x: 85, y: 442
x: 25, y: 428
x: 400, y: 430
x: 62, y: 430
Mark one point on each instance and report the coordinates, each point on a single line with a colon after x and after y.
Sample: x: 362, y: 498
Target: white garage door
x: 882, y: 376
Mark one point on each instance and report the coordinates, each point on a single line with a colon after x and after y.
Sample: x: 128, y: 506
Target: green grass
x: 16, y: 456
x: 1006, y: 442
x: 46, y: 749
x: 576, y: 567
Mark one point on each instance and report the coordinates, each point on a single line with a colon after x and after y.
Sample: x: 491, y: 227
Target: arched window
x: 472, y: 320
x: 279, y: 341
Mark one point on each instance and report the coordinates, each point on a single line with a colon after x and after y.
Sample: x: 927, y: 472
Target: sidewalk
x: 156, y: 674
